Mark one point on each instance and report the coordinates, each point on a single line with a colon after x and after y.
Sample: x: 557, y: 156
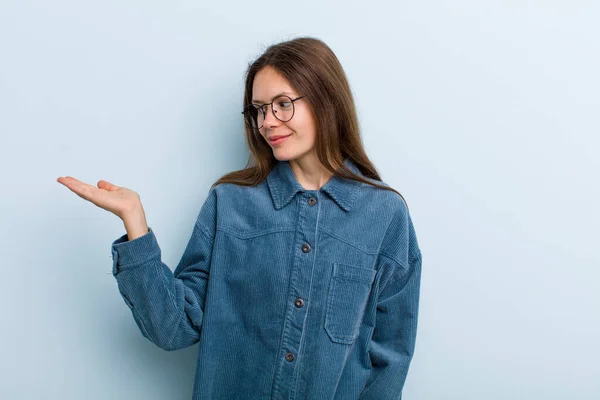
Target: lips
x: 278, y: 139
x: 274, y: 138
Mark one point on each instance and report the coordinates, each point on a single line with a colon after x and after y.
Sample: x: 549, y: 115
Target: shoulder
x: 399, y: 242
x: 227, y: 202
x: 232, y: 194
x: 382, y: 201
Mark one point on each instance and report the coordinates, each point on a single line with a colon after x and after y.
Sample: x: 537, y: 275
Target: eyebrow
x: 264, y: 102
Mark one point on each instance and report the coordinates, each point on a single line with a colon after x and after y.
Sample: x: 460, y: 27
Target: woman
x: 301, y: 277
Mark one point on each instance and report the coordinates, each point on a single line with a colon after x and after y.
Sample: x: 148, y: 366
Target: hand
x: 118, y: 200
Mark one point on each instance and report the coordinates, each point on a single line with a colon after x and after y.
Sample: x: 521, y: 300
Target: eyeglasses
x: 282, y: 108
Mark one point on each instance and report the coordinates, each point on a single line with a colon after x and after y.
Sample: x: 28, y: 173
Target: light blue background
x: 483, y: 114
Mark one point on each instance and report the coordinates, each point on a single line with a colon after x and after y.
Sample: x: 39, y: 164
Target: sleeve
x: 392, y: 344
x: 168, y: 307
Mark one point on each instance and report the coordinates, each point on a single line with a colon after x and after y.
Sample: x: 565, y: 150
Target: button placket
x: 300, y: 283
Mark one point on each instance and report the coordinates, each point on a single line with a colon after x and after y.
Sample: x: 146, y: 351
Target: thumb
x: 107, y: 186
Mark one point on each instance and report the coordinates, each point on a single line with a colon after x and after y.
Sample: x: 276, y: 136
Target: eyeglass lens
x: 282, y: 106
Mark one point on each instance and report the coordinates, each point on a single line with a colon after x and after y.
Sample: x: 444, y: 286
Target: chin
x: 282, y: 156
x: 287, y: 155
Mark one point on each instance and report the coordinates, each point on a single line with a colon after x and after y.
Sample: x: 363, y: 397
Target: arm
x: 393, y: 341
x: 168, y: 307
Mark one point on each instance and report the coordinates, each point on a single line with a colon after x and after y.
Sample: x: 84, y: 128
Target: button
x: 298, y: 302
x: 306, y: 247
x: 290, y: 357
x: 312, y: 201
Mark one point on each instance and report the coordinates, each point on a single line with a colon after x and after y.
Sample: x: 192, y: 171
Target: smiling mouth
x: 278, y: 139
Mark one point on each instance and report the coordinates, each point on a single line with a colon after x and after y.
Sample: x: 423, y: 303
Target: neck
x: 309, y: 172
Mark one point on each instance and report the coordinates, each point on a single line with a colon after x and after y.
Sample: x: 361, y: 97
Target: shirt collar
x: 284, y: 185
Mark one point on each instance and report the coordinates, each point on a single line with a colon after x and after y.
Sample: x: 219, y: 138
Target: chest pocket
x: 347, y: 298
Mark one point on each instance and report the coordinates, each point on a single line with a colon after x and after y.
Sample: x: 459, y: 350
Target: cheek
x: 304, y: 127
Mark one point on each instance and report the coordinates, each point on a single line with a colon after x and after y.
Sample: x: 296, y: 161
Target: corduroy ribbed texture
x: 291, y: 293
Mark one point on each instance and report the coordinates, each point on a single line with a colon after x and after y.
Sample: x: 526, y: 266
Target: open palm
x: 116, y: 199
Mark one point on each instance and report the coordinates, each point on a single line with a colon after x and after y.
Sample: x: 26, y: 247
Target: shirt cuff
x: 132, y: 253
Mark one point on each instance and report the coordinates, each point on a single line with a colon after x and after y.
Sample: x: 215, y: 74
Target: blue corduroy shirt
x: 291, y: 293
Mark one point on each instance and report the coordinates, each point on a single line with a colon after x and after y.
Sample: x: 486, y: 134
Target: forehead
x: 269, y: 83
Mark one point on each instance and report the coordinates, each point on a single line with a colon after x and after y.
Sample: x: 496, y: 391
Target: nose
x: 270, y: 119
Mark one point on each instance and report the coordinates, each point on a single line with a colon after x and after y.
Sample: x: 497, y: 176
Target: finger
x: 65, y: 180
x: 80, y: 188
x: 102, y: 184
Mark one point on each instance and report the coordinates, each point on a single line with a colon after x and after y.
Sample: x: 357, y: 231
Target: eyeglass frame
x: 273, y: 112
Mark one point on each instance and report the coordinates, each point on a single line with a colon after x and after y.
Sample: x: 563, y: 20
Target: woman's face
x: 300, y: 130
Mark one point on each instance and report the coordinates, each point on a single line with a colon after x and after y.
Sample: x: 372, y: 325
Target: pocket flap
x: 353, y: 272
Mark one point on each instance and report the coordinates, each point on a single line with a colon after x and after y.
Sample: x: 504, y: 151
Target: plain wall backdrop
x: 484, y: 115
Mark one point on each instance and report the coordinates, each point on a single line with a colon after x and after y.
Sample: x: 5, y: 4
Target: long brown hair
x: 313, y: 70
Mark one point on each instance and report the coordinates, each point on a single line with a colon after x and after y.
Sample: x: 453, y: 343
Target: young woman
x: 301, y: 277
